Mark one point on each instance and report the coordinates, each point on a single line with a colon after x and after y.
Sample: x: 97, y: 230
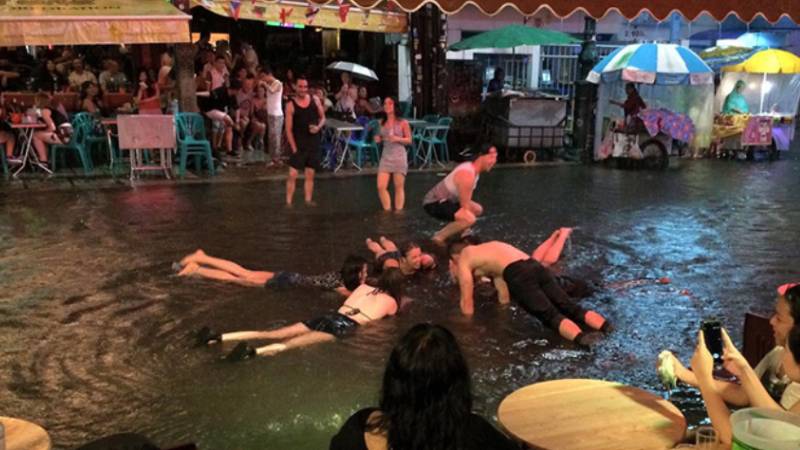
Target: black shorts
x: 444, y: 210
x: 325, y: 281
x: 336, y: 324
x: 302, y: 159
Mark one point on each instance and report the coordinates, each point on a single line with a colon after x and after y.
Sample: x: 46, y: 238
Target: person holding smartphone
x: 770, y: 369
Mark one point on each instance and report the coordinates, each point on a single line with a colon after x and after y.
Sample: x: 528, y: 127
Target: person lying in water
x: 367, y: 303
x: 409, y: 261
x: 199, y: 264
x: 518, y: 277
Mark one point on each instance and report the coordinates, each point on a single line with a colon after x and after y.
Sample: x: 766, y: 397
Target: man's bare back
x: 491, y: 258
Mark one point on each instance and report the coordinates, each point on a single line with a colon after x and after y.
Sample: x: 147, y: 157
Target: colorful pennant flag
x: 236, y: 8
x: 285, y: 13
x: 344, y: 10
x: 311, y: 13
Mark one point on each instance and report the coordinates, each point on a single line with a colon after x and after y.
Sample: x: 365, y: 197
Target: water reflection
x: 97, y: 334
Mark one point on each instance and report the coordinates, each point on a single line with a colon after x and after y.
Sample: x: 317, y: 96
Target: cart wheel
x: 773, y: 152
x: 654, y: 155
x: 529, y: 157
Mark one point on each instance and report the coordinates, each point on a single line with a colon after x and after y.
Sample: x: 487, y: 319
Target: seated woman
x: 409, y: 261
x: 363, y: 106
x: 366, y: 304
x: 735, y: 102
x: 90, y: 100
x: 258, y: 122
x: 199, y: 264
x: 756, y: 393
x: 425, y: 401
x: 148, y: 96
x: 7, y: 138
x: 55, y: 122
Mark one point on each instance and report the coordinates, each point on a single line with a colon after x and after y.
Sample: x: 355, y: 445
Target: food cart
x: 771, y: 90
x: 677, y: 87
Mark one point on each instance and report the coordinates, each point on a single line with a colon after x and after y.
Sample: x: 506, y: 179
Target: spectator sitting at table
x: 770, y: 369
x: 217, y: 73
x: 425, y: 401
x: 111, y: 79
x: 49, y: 78
x: 79, y: 75
x: 344, y: 90
x: 7, y: 138
x: 214, y: 107
x: 327, y: 104
x: 243, y: 110
x: 363, y: 106
x: 498, y: 81
x: 90, y: 99
x: 347, y: 103
x: 260, y: 117
x: 735, y: 102
x: 148, y: 96
x: 631, y: 107
x: 289, y: 85
x: 718, y: 412
x: 57, y: 127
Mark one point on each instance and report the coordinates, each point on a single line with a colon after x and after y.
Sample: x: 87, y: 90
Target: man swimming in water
x: 199, y: 264
x: 451, y: 199
x: 367, y: 303
x: 521, y: 278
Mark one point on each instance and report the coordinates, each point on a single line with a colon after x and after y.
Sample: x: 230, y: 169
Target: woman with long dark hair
x: 426, y: 401
x: 395, y: 134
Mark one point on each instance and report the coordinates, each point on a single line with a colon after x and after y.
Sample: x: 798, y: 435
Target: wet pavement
x: 96, y: 332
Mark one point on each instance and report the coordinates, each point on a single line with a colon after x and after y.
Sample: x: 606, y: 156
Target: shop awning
x: 746, y: 10
x: 76, y: 22
x: 297, y: 14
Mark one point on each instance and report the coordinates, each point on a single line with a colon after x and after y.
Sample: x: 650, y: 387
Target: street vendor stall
x: 757, y: 101
x: 675, y: 103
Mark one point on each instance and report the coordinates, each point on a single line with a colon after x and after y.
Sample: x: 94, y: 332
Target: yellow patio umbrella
x: 768, y: 61
x: 771, y: 61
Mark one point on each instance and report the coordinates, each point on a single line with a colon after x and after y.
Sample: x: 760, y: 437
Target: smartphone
x: 712, y: 331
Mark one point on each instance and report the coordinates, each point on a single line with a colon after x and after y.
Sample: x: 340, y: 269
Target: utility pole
x: 585, y: 99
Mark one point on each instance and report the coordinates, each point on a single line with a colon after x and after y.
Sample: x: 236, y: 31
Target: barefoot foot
x: 192, y: 257
x: 189, y: 269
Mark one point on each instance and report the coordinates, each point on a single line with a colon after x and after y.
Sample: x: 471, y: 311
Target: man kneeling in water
x: 199, y: 264
x: 519, y: 277
x: 365, y: 304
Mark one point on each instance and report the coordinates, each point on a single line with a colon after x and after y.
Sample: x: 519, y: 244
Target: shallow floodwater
x: 97, y: 335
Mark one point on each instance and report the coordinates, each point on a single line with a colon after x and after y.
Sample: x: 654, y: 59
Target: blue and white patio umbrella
x: 663, y: 64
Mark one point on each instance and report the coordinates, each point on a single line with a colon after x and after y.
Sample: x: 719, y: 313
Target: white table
x: 26, y: 131
x: 140, y: 132
x: 341, y: 134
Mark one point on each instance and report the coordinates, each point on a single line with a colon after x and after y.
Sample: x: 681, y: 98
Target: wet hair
x: 85, y: 90
x: 455, y: 247
x: 408, y: 246
x: 792, y: 297
x: 351, y: 271
x: 483, y: 149
x: 426, y: 397
x: 392, y: 282
x: 793, y: 342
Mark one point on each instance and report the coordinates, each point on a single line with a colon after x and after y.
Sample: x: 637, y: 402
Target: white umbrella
x: 354, y: 69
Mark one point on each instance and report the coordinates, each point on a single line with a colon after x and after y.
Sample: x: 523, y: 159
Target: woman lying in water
x: 409, y: 261
x: 199, y: 264
x: 367, y: 303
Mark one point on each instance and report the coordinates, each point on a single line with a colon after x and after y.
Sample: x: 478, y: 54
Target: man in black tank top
x: 304, y: 120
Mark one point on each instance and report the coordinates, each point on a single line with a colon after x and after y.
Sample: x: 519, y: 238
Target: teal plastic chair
x: 404, y: 108
x: 432, y: 118
x: 76, y: 144
x: 435, y: 142
x: 191, y: 139
x: 365, y: 143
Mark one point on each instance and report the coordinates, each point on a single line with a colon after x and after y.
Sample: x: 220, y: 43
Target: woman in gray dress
x: 395, y: 134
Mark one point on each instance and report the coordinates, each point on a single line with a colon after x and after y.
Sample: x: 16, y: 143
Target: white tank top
x: 447, y: 189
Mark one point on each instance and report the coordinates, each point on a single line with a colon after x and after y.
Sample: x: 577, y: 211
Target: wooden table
x: 590, y: 414
x: 24, y: 435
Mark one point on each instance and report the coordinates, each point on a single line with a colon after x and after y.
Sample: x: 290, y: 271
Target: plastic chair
x: 758, y: 338
x: 404, y: 108
x: 366, y: 142
x: 432, y: 118
x: 191, y: 140
x: 77, y: 143
x: 435, y: 142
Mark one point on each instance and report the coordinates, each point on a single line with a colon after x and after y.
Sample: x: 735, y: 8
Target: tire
x: 654, y: 155
x: 529, y: 157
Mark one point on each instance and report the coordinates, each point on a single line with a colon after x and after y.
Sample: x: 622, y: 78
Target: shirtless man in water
x: 519, y: 277
x: 366, y: 304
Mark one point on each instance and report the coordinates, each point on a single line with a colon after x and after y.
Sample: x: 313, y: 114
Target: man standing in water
x: 305, y: 118
x: 451, y: 199
x: 519, y: 277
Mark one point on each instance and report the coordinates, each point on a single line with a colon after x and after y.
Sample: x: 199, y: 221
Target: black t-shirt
x: 480, y: 435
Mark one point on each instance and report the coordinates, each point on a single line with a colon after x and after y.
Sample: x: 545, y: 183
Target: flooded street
x: 97, y: 334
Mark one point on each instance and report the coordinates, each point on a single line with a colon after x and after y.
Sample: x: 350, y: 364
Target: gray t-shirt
x: 780, y: 388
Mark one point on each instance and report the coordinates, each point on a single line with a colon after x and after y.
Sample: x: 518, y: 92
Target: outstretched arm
x: 503, y: 295
x: 466, y: 284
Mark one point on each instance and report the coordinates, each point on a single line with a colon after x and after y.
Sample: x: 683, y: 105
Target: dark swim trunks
x: 381, y: 260
x: 445, y: 210
x: 326, y: 281
x: 336, y: 324
x: 536, y: 290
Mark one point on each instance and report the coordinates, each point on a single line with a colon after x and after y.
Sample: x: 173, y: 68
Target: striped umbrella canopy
x: 665, y: 64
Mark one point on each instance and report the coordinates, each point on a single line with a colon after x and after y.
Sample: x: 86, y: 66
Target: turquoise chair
x: 432, y: 118
x: 77, y: 144
x: 435, y: 142
x: 404, y: 108
x: 365, y: 143
x: 191, y: 139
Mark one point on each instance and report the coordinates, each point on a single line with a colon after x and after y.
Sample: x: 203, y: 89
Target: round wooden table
x: 24, y: 435
x: 590, y: 414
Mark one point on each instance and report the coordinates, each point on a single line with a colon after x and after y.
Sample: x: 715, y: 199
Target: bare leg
x: 223, y: 270
x: 375, y: 248
x: 383, y: 191
x: 304, y: 340
x: 290, y: 185
x: 387, y: 244
x: 464, y: 219
x: 550, y: 251
x: 192, y: 269
x: 308, y: 186
x: 280, y: 333
x: 399, y: 191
